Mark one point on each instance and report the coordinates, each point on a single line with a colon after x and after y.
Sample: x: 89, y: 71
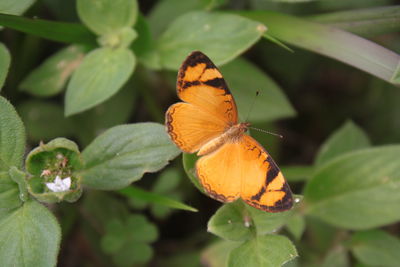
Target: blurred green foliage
x: 103, y: 72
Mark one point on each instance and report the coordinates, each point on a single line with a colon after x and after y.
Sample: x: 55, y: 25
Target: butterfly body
x: 232, y: 164
x: 232, y: 134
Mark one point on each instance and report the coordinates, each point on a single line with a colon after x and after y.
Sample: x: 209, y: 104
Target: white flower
x: 60, y: 185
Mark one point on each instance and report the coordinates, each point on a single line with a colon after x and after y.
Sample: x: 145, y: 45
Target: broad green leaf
x: 331, y: 42
x: 216, y: 255
x: 100, y: 75
x: 296, y: 225
x: 137, y: 193
x: 51, y: 30
x: 336, y: 257
x: 348, y: 137
x: 122, y: 154
x: 44, y: 120
x: 5, y: 60
x: 364, y: 22
x: 13, y: 7
x: 29, y: 236
x: 189, y: 165
x: 358, y: 190
x: 50, y: 77
x: 238, y: 221
x: 9, y: 194
x: 222, y: 37
x: 12, y: 136
x: 323, y: 235
x: 263, y: 251
x: 270, y: 104
x: 165, y: 11
x: 297, y: 173
x: 375, y: 248
x: 107, y: 16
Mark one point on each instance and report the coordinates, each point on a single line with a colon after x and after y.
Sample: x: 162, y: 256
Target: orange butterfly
x: 233, y: 164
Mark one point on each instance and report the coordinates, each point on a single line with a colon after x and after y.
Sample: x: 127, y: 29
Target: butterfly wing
x: 191, y: 127
x: 242, y: 168
x: 263, y: 185
x: 209, y: 107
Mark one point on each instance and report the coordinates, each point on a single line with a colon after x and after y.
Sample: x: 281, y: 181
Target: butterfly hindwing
x: 220, y: 173
x: 263, y: 185
x: 243, y: 168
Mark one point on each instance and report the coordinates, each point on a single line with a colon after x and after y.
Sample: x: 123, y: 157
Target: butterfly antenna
x: 264, y: 131
x: 252, y: 105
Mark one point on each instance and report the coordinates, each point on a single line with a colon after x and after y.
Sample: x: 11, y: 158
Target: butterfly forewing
x: 201, y: 84
x: 209, y: 109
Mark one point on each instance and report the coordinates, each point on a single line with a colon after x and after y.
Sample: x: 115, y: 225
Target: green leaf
x: 375, y: 248
x: 107, y: 16
x: 358, y: 190
x: 161, y: 211
x: 13, y: 7
x: 331, y: 42
x: 271, y: 103
x: 265, y: 251
x: 100, y: 75
x: 9, y: 194
x: 364, y: 22
x: 144, y: 231
x: 122, y: 154
x: 19, y: 177
x: 165, y: 11
x: 296, y: 226
x: 297, y: 173
x: 44, y: 120
x: 238, y: 221
x: 29, y: 236
x: 5, y: 60
x: 216, y: 255
x: 137, y: 193
x: 347, y: 138
x: 189, y: 165
x: 12, y: 136
x: 336, y: 257
x: 51, y: 30
x: 50, y: 77
x: 222, y: 37
x: 127, y: 240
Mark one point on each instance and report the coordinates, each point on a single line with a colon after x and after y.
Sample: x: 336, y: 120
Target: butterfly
x: 232, y: 164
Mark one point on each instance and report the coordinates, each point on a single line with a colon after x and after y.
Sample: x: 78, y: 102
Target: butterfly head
x: 244, y: 126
